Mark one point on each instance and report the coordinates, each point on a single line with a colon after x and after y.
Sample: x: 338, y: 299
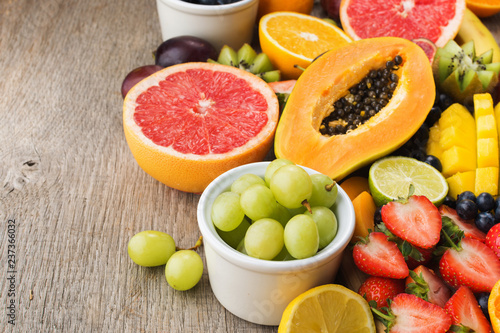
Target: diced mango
x: 486, y: 126
x: 364, y: 211
x: 487, y: 153
x: 433, y: 147
x: 354, y: 185
x: 457, y: 159
x: 497, y: 116
x: 486, y: 180
x: 455, y: 136
x: 483, y: 105
x: 457, y: 115
x: 461, y: 182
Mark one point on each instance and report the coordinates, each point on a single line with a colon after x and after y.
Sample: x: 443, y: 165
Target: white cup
x: 230, y: 24
x: 259, y: 290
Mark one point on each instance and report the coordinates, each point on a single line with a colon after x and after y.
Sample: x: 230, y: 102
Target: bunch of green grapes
x: 150, y: 248
x: 285, y: 215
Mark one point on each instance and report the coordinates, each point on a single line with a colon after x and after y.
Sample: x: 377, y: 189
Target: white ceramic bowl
x: 230, y: 24
x: 259, y: 290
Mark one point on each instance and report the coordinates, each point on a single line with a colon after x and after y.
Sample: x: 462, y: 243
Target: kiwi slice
x: 460, y: 73
x: 248, y: 59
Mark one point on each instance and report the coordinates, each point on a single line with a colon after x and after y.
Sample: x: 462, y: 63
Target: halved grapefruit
x: 436, y: 20
x: 189, y: 123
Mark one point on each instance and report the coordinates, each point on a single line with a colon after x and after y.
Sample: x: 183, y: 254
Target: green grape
x: 241, y: 247
x: 151, y: 248
x: 264, y: 239
x: 291, y: 186
x: 324, y: 191
x: 257, y: 202
x: 245, y: 181
x: 273, y: 166
x: 283, y: 255
x: 326, y: 221
x: 301, y: 236
x: 296, y: 211
x: 281, y: 214
x: 227, y: 213
x: 184, y: 269
x: 234, y: 237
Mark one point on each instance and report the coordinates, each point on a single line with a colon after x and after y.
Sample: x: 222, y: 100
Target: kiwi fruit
x: 460, y: 73
x: 248, y: 59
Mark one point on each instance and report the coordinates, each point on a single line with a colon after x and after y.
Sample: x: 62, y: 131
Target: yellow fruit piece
x: 364, y: 210
x: 486, y: 181
x: 457, y: 115
x: 298, y: 6
x: 354, y: 185
x: 497, y: 116
x: 457, y: 159
x: 291, y: 39
x: 455, y: 136
x: 327, y: 308
x: 494, y: 307
x: 486, y: 126
x: 433, y: 147
x: 483, y: 105
x: 487, y: 152
x: 461, y: 182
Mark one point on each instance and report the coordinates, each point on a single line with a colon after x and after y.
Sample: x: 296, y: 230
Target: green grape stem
x: 198, y: 244
x: 329, y: 187
x: 306, y: 204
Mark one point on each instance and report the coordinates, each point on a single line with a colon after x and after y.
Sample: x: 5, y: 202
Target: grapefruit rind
x: 191, y: 172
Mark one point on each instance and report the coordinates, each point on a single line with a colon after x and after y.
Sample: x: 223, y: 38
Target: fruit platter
x: 252, y: 166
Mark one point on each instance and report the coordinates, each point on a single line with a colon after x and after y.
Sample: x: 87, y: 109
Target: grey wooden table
x: 71, y: 194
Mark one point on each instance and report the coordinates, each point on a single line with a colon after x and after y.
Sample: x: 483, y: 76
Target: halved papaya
x: 330, y: 78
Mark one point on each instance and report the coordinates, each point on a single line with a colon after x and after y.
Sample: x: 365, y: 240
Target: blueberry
x: 207, y: 2
x: 433, y: 115
x: 467, y: 195
x: 421, y: 137
x: 497, y: 215
x: 450, y: 202
x: 444, y: 101
x: 377, y: 217
x: 484, y: 221
x: 482, y: 299
x: 497, y: 202
x: 485, y: 202
x: 418, y: 154
x: 466, y: 209
x: 434, y: 161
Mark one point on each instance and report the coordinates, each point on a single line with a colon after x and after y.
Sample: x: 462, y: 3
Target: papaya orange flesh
x: 328, y: 79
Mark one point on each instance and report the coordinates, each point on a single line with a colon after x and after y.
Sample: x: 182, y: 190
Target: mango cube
x: 483, y: 105
x: 455, y: 136
x: 457, y: 115
x: 461, y: 182
x: 487, y: 153
x: 486, y: 126
x: 458, y: 159
x: 486, y: 181
x: 497, y: 116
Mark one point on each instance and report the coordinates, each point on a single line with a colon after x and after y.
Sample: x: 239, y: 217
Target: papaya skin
x: 328, y: 79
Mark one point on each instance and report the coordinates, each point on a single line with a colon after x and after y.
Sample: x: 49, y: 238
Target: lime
x: 390, y: 178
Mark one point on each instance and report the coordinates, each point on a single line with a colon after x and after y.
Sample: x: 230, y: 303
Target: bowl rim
x: 212, y: 239
x: 209, y: 10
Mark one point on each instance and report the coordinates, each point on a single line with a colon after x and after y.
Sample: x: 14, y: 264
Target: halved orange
x: 298, y: 6
x: 484, y: 8
x: 294, y: 39
x: 189, y: 123
x: 494, y: 307
x: 435, y: 20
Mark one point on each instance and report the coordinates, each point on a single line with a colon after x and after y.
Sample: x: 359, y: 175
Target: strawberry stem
x: 449, y: 241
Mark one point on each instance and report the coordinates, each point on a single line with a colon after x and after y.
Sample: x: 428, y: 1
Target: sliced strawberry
x: 380, y: 289
x: 493, y: 239
x: 424, y: 283
x: 467, y: 226
x: 409, y: 313
x: 378, y: 256
x: 465, y: 311
x: 472, y: 264
x: 415, y: 220
x: 425, y: 257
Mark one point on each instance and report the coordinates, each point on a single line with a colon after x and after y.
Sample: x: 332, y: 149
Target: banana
x: 473, y: 29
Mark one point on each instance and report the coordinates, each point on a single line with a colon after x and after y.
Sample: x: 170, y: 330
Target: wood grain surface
x: 71, y: 194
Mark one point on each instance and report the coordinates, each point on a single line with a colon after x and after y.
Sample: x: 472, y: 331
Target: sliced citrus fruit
x: 327, y: 308
x: 483, y: 8
x: 494, y: 307
x: 436, y: 20
x: 189, y: 123
x: 293, y: 39
x: 390, y: 178
x: 298, y: 6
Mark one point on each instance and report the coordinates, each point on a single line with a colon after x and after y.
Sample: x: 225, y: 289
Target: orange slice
x: 494, y: 307
x: 298, y: 6
x: 484, y: 8
x: 293, y: 39
x: 189, y: 123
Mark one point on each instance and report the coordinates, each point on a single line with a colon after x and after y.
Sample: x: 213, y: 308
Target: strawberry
x: 467, y: 226
x: 378, y: 256
x: 493, y: 239
x: 380, y: 289
x: 424, y: 283
x: 425, y: 257
x: 415, y: 220
x: 409, y: 313
x: 465, y: 311
x: 470, y: 263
